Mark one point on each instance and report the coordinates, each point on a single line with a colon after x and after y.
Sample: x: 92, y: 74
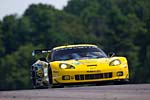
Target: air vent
x: 91, y: 65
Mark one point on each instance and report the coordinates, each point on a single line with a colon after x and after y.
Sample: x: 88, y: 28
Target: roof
x: 70, y: 46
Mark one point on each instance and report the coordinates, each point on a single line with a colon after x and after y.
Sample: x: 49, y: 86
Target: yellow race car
x: 76, y: 64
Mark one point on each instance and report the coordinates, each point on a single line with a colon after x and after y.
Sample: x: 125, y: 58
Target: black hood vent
x: 91, y: 65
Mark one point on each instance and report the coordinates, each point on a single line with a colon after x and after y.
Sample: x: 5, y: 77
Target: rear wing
x: 34, y: 52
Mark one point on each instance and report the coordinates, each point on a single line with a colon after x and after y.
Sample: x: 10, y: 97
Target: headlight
x: 115, y: 62
x: 66, y: 66
x: 63, y: 66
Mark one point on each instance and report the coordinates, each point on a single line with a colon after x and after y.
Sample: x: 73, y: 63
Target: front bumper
x: 69, y: 76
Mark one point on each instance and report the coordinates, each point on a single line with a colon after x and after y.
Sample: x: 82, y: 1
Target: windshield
x: 77, y: 53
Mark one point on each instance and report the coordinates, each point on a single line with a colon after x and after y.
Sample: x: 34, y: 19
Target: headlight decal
x: 63, y: 66
x: 66, y: 66
x: 115, y: 62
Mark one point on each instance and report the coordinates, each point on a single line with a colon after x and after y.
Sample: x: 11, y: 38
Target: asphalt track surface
x: 107, y: 92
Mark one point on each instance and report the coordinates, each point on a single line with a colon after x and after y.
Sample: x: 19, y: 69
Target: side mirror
x: 111, y: 54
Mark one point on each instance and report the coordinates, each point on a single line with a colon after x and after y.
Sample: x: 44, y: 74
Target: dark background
x: 120, y: 26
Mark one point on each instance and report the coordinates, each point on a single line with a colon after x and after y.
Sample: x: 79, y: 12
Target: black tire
x: 121, y: 82
x: 50, y: 76
x: 34, y: 84
x: 57, y: 86
x: 51, y: 85
x: 33, y: 77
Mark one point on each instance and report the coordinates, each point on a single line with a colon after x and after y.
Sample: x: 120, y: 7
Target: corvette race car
x: 74, y: 64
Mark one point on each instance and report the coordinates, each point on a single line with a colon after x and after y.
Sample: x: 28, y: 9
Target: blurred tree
x: 75, y: 7
x: 1, y: 42
x: 15, y: 69
x: 25, y: 31
x: 54, y: 27
x: 9, y: 25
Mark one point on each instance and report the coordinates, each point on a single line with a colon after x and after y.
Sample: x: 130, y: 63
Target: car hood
x: 88, y: 62
x: 100, y: 63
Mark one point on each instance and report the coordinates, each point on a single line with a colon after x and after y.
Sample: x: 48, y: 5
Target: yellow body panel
x: 88, y: 69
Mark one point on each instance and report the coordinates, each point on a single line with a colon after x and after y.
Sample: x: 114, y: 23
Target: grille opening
x: 93, y: 76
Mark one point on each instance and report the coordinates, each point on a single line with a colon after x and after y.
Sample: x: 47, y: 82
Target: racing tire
x: 51, y: 85
x: 121, y: 82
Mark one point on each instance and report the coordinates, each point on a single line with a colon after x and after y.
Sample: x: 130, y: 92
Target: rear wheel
x: 33, y: 74
x: 37, y: 80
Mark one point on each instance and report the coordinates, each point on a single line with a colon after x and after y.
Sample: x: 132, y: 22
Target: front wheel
x: 37, y: 82
x: 51, y: 85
